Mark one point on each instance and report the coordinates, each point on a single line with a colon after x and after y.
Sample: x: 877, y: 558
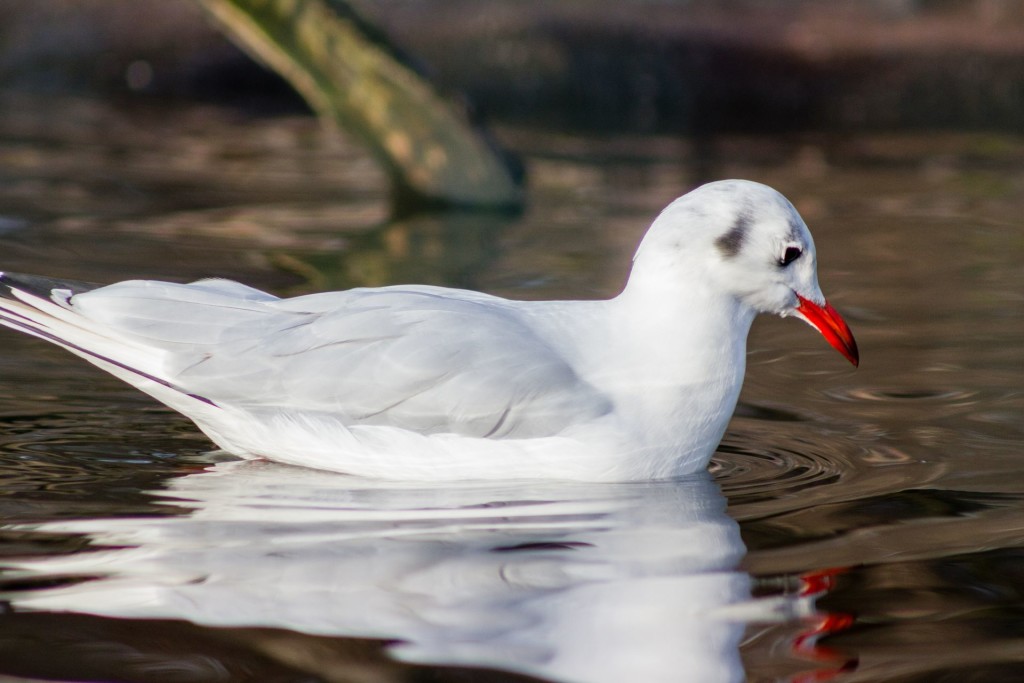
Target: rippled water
x: 855, y: 525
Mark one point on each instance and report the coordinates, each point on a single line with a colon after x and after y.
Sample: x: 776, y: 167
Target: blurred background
x: 617, y: 107
x: 694, y: 67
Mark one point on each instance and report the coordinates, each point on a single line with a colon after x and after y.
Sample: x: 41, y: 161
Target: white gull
x: 429, y: 383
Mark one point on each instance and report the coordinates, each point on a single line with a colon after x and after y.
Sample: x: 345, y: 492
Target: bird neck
x: 691, y: 330
x: 681, y: 358
x: 685, y: 352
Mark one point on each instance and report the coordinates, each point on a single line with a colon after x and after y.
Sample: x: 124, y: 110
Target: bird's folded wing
x: 420, y: 358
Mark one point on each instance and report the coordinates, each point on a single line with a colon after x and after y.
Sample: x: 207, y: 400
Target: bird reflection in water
x: 564, y: 581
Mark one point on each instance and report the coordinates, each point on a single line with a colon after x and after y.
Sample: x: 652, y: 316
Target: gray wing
x: 427, y: 359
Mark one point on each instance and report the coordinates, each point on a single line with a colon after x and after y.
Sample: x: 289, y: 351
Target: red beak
x: 826, y: 320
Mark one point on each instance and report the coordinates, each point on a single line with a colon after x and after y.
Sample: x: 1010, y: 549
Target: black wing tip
x: 38, y: 285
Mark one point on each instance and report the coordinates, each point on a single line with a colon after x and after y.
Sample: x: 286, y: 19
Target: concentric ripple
x: 748, y: 472
x: 945, y: 396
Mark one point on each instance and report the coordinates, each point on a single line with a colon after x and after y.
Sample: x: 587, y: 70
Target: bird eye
x: 792, y: 254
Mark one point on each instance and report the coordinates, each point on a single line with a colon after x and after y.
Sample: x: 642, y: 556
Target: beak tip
x: 849, y: 344
x: 848, y: 347
x: 832, y: 326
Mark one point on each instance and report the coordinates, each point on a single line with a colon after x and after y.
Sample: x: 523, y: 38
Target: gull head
x: 746, y: 241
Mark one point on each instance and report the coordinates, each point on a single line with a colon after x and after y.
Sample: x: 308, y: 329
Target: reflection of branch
x: 449, y: 248
x: 353, y: 77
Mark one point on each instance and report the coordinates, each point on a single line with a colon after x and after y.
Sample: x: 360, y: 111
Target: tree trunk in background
x: 348, y: 71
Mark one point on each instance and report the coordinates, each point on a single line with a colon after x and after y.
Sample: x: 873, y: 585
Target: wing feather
x: 422, y: 358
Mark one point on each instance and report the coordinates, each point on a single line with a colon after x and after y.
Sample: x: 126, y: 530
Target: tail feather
x: 42, y: 308
x: 42, y: 287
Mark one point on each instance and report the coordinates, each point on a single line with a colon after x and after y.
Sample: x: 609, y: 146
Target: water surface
x: 852, y: 526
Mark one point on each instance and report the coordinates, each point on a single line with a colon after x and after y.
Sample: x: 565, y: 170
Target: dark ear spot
x: 731, y: 242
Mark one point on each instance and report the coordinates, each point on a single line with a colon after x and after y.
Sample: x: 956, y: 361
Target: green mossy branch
x: 352, y: 76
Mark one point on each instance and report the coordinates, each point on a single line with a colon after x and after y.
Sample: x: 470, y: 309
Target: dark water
x: 859, y: 525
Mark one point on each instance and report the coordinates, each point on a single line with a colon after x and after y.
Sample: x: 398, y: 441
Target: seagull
x: 425, y: 383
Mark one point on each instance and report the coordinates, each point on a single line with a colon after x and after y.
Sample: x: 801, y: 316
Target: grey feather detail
x: 499, y: 423
x: 796, y: 227
x: 399, y: 402
x: 732, y: 241
x: 338, y: 342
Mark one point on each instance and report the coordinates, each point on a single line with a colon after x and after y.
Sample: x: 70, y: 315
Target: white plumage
x: 416, y: 382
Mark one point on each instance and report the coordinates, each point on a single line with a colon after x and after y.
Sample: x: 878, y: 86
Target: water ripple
x: 748, y: 473
x: 946, y: 396
x: 103, y: 462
